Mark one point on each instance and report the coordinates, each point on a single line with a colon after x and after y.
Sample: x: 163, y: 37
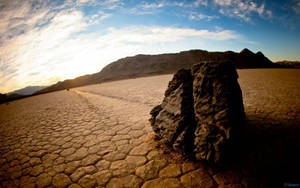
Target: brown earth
x: 99, y: 135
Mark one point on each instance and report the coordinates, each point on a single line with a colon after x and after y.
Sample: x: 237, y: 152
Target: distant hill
x: 2, y: 97
x: 21, y: 93
x: 7, y: 98
x: 145, y: 65
x: 28, y: 90
x: 290, y: 64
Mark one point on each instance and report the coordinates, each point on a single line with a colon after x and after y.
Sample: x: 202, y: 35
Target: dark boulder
x: 171, y: 119
x: 202, y: 112
x: 219, y: 110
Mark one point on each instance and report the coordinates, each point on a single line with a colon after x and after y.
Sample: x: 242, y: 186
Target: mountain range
x: 20, y: 93
x: 27, y: 90
x: 146, y: 65
x: 289, y: 64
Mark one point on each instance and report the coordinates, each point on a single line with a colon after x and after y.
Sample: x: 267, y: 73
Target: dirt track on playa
x: 99, y: 136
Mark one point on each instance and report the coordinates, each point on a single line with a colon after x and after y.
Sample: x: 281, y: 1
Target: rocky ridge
x: 147, y: 65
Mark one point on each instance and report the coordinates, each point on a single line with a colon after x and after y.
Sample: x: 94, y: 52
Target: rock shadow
x: 272, y: 151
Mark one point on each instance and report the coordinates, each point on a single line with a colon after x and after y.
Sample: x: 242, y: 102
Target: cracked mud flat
x: 99, y: 136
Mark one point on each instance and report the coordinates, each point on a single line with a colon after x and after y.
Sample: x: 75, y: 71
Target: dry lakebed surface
x: 99, y: 136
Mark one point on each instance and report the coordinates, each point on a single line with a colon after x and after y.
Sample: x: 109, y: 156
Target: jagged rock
x: 218, y: 107
x: 202, y: 112
x: 171, y: 119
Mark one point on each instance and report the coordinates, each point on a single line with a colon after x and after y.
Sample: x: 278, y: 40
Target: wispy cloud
x: 155, y: 6
x: 152, y: 5
x: 40, y: 36
x: 188, y: 4
x: 147, y: 8
x: 242, y: 9
x: 39, y: 48
x: 154, y: 34
x: 99, y: 16
x: 296, y: 6
x: 200, y: 2
x: 104, y: 15
x: 105, y: 4
x: 200, y: 16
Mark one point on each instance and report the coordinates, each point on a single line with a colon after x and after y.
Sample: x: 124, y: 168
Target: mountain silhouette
x: 146, y: 65
x: 27, y: 90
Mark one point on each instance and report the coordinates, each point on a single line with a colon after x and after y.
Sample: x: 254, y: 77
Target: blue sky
x: 45, y: 41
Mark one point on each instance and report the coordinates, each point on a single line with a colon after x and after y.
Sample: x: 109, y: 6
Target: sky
x: 45, y: 41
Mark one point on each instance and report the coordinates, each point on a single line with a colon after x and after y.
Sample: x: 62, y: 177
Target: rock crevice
x: 202, y: 113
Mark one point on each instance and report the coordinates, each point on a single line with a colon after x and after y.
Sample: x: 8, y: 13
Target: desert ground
x: 99, y: 136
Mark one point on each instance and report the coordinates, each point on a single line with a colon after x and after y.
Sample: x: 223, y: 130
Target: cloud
x: 200, y: 16
x: 100, y: 16
x: 188, y: 4
x: 200, y: 2
x: 14, y: 22
x: 110, y: 4
x: 154, y: 7
x: 39, y: 48
x: 104, y: 15
x: 31, y: 27
x: 105, y: 4
x: 223, y: 2
x: 242, y: 9
x: 296, y: 6
x: 147, y: 8
x: 157, y: 34
x: 33, y: 73
x: 85, y: 1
